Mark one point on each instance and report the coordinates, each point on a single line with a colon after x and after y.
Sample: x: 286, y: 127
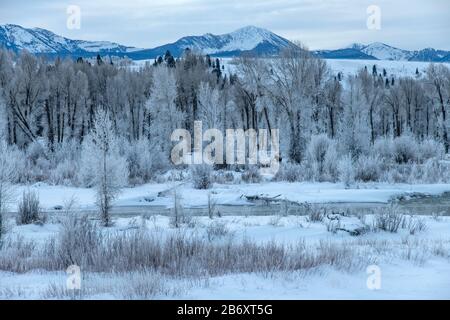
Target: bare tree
x: 438, y: 77
x: 295, y: 83
x: 165, y: 115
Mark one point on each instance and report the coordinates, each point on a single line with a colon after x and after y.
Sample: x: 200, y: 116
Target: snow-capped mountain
x: 41, y: 41
x: 248, y: 39
x: 381, y: 51
x: 430, y: 54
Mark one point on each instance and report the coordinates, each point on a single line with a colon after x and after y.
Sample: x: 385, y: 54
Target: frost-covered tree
x: 322, y: 157
x: 354, y: 135
x: 296, y: 85
x: 438, y: 79
x: 103, y: 166
x: 371, y: 90
x: 48, y: 110
x: 165, y: 116
x: 210, y: 109
x: 7, y: 175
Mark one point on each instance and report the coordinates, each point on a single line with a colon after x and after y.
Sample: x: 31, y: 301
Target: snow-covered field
x: 350, y: 67
x: 233, y: 194
x: 345, y: 66
x: 411, y: 266
x: 397, y: 68
x: 335, y: 254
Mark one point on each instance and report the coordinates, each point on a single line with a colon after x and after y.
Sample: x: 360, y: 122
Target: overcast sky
x: 320, y: 24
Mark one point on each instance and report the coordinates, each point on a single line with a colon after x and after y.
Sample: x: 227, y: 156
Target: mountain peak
x: 42, y: 41
x: 383, y: 51
x: 252, y: 39
x: 380, y: 45
x: 248, y: 39
x: 252, y: 29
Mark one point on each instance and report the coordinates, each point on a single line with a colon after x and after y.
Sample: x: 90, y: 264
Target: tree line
x: 55, y: 103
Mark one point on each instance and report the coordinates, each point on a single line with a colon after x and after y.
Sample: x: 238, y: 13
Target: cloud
x: 410, y: 24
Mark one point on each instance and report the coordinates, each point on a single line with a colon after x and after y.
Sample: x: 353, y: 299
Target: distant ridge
x: 250, y: 39
x: 381, y: 51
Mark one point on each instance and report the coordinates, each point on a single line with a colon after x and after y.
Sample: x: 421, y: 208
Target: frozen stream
x: 421, y: 205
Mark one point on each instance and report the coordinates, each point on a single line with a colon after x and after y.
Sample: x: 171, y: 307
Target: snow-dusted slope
x: 382, y: 51
x: 248, y: 39
x: 42, y: 41
x: 430, y: 54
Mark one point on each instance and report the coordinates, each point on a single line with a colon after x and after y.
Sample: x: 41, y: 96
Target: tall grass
x: 80, y: 242
x: 28, y: 209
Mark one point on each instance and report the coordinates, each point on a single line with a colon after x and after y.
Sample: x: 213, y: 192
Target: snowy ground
x: 412, y: 266
x: 233, y: 194
x: 397, y: 68
x: 345, y: 66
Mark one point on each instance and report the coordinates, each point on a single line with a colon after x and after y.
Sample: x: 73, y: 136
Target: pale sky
x: 320, y: 24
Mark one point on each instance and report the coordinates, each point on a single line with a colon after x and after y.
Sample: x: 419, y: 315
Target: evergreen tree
x: 167, y: 55
x: 217, y: 69
x: 171, y: 62
x: 99, y: 60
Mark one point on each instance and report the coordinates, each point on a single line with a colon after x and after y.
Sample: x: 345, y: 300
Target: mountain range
x: 381, y: 51
x: 250, y: 39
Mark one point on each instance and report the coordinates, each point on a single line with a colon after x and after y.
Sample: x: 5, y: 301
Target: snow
x: 301, y: 192
x: 24, y: 39
x: 243, y: 39
x: 39, y: 40
x: 399, y: 282
x: 349, y: 67
x: 382, y: 51
x: 248, y: 38
x: 397, y: 68
x: 400, y: 278
x: 96, y: 46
